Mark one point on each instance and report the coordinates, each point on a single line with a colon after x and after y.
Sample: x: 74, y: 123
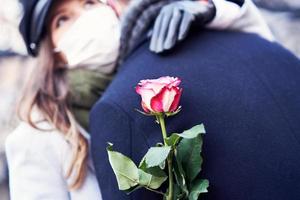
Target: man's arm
x: 175, y: 19
x: 108, y: 124
x: 240, y: 16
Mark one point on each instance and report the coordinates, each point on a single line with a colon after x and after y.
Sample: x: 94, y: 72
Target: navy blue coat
x: 244, y: 89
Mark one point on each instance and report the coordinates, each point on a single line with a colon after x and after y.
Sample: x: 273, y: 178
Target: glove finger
x: 173, y: 30
x: 155, y: 32
x: 164, y: 30
x: 185, y: 25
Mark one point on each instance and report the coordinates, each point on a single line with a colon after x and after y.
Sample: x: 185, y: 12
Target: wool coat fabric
x: 246, y: 90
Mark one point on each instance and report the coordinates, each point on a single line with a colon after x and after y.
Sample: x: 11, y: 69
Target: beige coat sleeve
x: 35, y: 171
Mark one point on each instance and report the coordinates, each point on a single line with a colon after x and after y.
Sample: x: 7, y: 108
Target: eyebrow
x: 58, y: 11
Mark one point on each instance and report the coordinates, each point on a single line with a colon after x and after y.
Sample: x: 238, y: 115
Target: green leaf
x: 143, y: 113
x: 144, y: 167
x: 156, y: 156
x: 130, y: 190
x: 169, y: 114
x: 151, y: 181
x: 143, y: 164
x: 176, y: 193
x: 173, y: 139
x: 156, y: 171
x: 126, y: 171
x: 188, y: 134
x: 154, y: 175
x: 199, y: 187
x: 162, y: 165
x: 189, y: 155
x: 193, y: 132
x: 180, y: 176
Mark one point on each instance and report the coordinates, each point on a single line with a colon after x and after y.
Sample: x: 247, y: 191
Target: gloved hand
x: 174, y: 21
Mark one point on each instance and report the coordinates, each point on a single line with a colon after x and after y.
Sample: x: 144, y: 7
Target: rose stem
x: 169, y: 159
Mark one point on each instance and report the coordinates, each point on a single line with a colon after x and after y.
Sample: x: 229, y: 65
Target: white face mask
x: 93, y: 39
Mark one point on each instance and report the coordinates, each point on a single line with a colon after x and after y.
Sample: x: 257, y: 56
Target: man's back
x: 244, y: 89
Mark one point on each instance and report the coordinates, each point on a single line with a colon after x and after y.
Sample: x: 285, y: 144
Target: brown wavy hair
x: 47, y: 92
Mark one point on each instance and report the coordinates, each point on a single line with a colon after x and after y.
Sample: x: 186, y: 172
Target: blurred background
x: 283, y: 17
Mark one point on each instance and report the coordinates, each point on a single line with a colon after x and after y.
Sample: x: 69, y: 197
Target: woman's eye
x: 60, y: 21
x: 89, y: 4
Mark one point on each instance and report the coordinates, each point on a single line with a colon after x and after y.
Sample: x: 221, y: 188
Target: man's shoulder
x: 201, y: 44
x: 202, y: 58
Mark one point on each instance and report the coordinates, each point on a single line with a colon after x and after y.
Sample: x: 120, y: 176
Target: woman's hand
x: 175, y: 19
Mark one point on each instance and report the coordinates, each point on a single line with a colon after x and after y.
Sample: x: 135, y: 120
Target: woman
x: 48, y: 153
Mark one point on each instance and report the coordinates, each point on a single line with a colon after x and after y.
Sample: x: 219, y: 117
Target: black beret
x: 32, y: 25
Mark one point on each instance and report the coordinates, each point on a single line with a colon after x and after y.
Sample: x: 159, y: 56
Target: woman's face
x: 64, y: 13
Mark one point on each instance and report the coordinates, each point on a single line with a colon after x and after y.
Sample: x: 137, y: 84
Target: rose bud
x: 160, y: 95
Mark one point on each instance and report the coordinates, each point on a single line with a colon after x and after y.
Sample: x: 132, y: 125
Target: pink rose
x: 160, y: 95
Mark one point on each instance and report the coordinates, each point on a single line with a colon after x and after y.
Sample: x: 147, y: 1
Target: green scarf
x: 86, y: 87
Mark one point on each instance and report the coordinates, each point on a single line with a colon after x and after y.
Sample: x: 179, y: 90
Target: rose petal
x: 170, y: 81
x: 157, y: 101
x: 168, y: 99
x: 163, y: 101
x: 176, y: 100
x: 158, y: 84
x: 162, y: 80
x: 175, y: 83
x: 146, y: 95
x: 154, y: 85
x: 145, y: 107
x: 160, y: 95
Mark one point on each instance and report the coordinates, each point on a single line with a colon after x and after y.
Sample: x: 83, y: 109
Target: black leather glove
x: 174, y: 21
